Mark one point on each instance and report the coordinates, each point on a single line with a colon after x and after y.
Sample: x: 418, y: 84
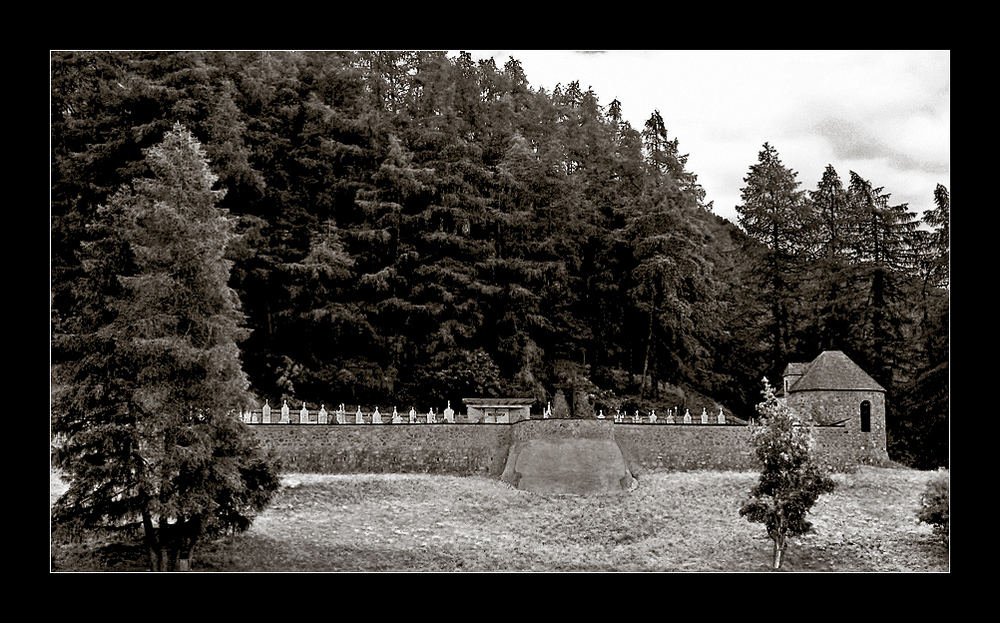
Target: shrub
x: 934, y: 505
x: 560, y: 408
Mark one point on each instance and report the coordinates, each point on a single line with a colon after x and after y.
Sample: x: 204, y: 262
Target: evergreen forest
x: 412, y: 228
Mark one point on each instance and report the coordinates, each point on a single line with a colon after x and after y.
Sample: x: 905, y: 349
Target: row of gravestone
x: 341, y: 416
x: 266, y: 415
x: 671, y: 417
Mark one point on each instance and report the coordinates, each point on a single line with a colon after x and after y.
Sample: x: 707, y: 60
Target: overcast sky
x: 883, y: 114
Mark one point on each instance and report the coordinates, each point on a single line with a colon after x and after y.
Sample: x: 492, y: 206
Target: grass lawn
x: 678, y: 521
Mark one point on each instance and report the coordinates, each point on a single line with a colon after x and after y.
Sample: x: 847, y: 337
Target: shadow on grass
x: 257, y: 553
x: 107, y: 557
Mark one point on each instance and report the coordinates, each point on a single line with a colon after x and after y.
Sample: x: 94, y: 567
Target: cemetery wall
x: 461, y: 449
x: 690, y: 447
x: 468, y: 449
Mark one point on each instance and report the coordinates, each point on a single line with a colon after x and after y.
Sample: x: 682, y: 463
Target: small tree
x: 934, y: 505
x: 790, y: 481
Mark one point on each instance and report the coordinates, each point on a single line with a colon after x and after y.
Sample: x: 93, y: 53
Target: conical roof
x: 832, y: 369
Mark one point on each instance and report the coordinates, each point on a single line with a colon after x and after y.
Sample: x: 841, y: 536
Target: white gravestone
x: 652, y: 416
x: 376, y: 417
x: 618, y: 415
x: 670, y: 417
x: 687, y: 416
x: 284, y: 412
x: 430, y: 416
x: 321, y: 417
x: 265, y: 413
x: 358, y: 418
x: 342, y: 414
x: 449, y: 414
x: 413, y: 416
x: 304, y: 415
x: 722, y: 417
x: 547, y: 412
x: 600, y: 414
x: 704, y: 416
x: 395, y: 417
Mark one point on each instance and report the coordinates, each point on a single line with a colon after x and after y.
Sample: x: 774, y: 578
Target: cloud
x: 850, y: 140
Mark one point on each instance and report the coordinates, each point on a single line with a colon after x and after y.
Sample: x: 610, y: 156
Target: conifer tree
x: 144, y: 408
x: 790, y: 480
x: 774, y: 213
x: 829, y: 299
x: 939, y: 219
x: 884, y: 256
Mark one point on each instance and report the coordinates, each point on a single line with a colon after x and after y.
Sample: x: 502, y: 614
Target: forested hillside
x: 416, y: 228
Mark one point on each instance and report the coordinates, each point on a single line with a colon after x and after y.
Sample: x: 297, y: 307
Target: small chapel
x: 834, y: 391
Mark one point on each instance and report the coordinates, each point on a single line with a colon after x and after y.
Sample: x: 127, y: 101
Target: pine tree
x: 774, y: 213
x: 883, y: 255
x: 939, y: 219
x: 829, y: 300
x: 145, y: 401
x: 664, y: 155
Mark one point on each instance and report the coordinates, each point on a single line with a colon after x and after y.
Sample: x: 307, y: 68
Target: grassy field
x: 682, y: 521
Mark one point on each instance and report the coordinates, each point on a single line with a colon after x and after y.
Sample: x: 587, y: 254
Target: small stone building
x: 498, y: 410
x: 834, y: 391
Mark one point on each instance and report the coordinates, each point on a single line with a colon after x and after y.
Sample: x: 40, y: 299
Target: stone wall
x: 689, y: 447
x: 461, y: 449
x: 467, y: 449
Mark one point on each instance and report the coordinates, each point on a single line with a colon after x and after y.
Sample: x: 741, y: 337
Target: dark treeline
x: 416, y: 229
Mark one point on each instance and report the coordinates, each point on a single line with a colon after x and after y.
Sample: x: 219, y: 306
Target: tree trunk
x: 645, y: 364
x: 153, y: 553
x: 779, y: 552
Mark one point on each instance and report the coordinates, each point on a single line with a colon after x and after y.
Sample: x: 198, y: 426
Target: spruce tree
x: 144, y: 403
x: 829, y: 299
x: 939, y: 219
x: 885, y: 260
x: 774, y: 213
